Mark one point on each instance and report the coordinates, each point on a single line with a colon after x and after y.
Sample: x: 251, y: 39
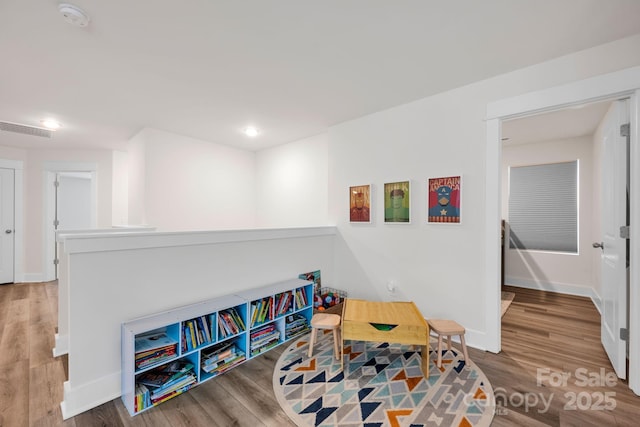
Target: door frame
x: 50, y: 169
x: 607, y: 86
x: 18, y: 203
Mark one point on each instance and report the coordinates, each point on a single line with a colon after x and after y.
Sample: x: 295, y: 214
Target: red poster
x: 444, y: 200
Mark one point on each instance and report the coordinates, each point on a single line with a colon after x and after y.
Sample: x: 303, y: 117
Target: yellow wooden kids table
x: 391, y: 322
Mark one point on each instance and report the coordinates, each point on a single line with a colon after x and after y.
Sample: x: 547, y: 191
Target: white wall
x: 136, y: 180
x: 120, y: 176
x: 189, y: 184
x: 159, y: 271
x: 291, y: 184
x: 554, y: 271
x: 440, y: 267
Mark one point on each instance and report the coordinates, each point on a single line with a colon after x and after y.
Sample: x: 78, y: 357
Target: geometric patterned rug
x: 381, y: 385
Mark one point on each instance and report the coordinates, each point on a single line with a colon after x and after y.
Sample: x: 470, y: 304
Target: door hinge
x: 624, y: 334
x: 56, y: 183
x: 56, y: 223
x: 624, y: 232
x: 625, y: 129
x: 56, y: 261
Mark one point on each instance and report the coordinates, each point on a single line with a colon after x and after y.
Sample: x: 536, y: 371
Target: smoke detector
x: 73, y: 15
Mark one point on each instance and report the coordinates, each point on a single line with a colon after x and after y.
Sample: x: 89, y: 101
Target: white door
x: 613, y: 247
x: 73, y: 201
x: 72, y: 204
x: 6, y: 225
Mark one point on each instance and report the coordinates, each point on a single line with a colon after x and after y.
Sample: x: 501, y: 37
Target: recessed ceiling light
x: 251, y: 131
x: 50, y: 124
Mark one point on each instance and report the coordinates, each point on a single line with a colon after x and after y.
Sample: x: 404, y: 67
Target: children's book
x: 153, y: 341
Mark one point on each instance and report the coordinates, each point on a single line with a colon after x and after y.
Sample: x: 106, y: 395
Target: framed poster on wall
x: 444, y: 200
x: 397, y: 203
x: 360, y: 203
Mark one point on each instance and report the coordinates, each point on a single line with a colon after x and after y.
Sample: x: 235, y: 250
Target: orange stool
x: 443, y: 327
x: 325, y: 321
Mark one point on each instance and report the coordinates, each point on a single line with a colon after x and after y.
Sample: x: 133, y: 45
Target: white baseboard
x: 87, y: 396
x: 32, y: 278
x: 561, y: 288
x: 62, y: 345
x: 472, y: 338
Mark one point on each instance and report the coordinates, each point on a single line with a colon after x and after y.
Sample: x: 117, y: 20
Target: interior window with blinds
x: 543, y: 207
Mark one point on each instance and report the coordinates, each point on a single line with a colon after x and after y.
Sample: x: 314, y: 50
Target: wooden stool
x: 325, y: 321
x: 447, y: 328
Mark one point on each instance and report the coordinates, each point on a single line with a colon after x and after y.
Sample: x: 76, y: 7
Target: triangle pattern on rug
x: 311, y: 366
x: 411, y: 382
x: 395, y: 414
x: 381, y: 385
x: 367, y: 408
x: 465, y: 423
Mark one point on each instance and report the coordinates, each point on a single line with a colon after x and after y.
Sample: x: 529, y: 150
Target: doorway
x: 7, y: 229
x: 70, y: 204
x: 620, y: 83
x: 11, y: 205
x: 561, y: 155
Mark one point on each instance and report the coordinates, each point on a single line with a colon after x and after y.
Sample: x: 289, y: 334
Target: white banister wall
x: 62, y: 336
x: 115, y: 277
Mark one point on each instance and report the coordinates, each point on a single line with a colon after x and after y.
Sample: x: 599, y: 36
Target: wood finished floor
x: 540, y: 330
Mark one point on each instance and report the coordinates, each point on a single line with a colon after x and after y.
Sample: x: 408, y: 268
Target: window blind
x: 543, y: 207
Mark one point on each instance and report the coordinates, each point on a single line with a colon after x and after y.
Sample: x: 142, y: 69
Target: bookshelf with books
x: 270, y: 306
x: 198, y: 332
x: 283, y: 303
x: 232, y: 321
x: 165, y: 381
x: 157, y: 346
x: 165, y: 354
x: 221, y: 357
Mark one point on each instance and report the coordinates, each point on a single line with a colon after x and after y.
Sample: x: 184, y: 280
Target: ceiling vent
x: 24, y: 129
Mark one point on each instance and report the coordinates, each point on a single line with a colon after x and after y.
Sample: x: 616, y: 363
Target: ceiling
x: 572, y: 122
x: 209, y: 68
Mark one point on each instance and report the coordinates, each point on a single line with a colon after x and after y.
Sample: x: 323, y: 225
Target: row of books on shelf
x: 230, y: 322
x: 153, y: 348
x: 163, y: 382
x: 296, y: 324
x: 301, y: 297
x: 268, y: 308
x: 261, y: 311
x: 264, y: 338
x: 283, y: 304
x: 221, y: 357
x: 197, y: 332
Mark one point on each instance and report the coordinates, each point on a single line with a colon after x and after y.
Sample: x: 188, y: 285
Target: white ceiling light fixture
x: 251, y: 131
x: 51, y: 124
x: 73, y: 15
